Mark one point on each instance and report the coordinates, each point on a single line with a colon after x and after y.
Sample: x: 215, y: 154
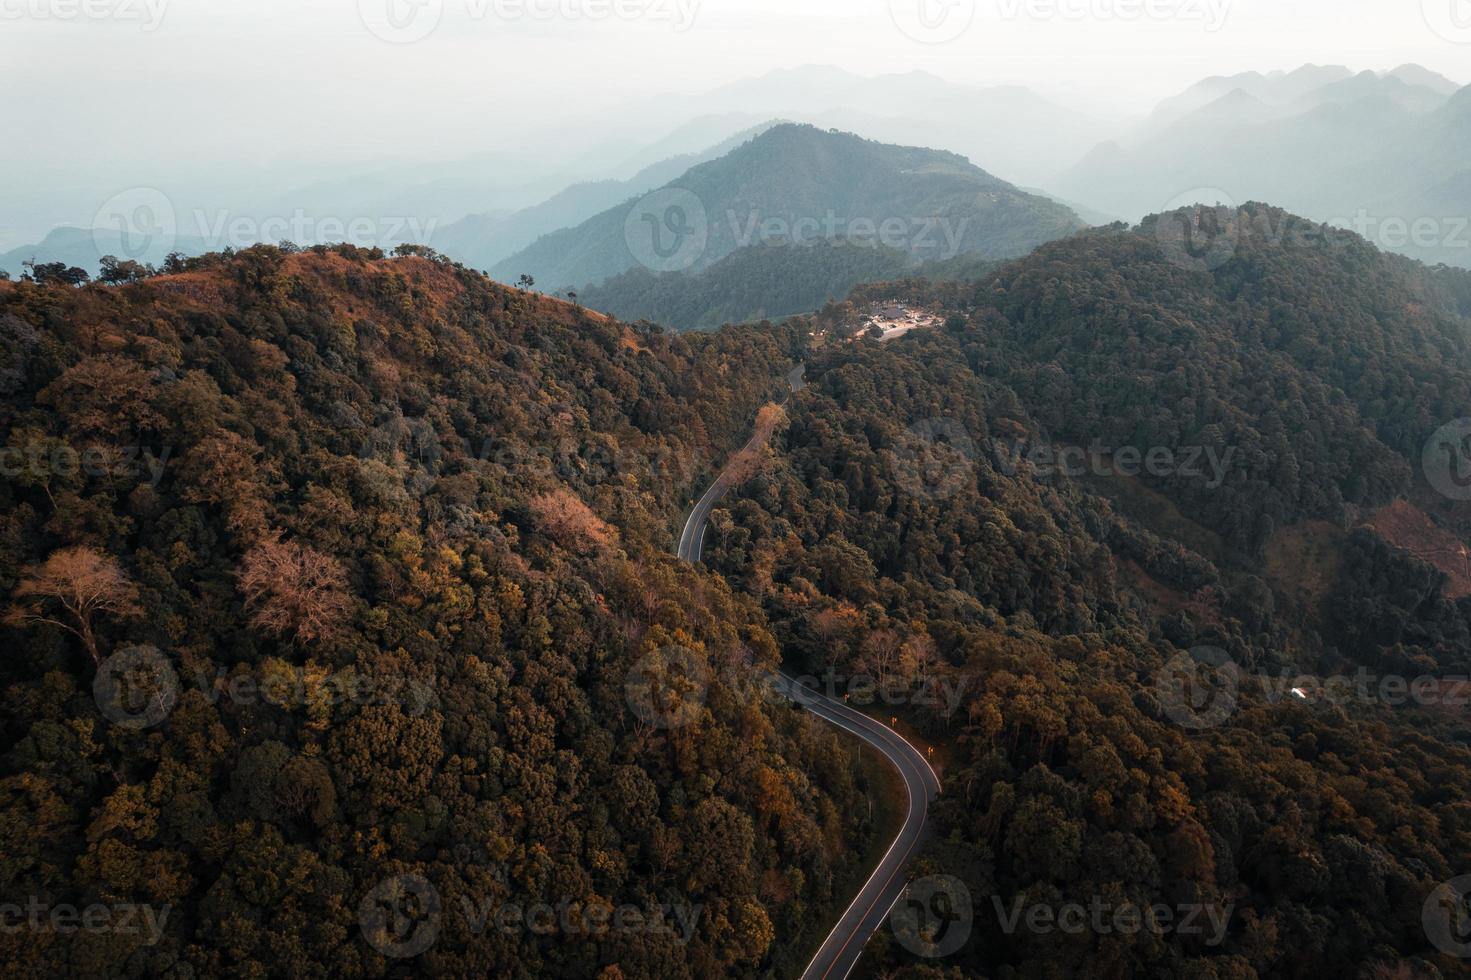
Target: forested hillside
x: 908, y: 525
x: 765, y: 282
x: 401, y: 537
x: 760, y: 282
x: 382, y: 544
x: 799, y: 183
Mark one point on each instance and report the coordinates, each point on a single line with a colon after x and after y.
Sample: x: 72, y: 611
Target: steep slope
x: 480, y: 240
x: 764, y: 282
x: 394, y: 655
x: 759, y: 282
x: 972, y: 510
x: 797, y: 183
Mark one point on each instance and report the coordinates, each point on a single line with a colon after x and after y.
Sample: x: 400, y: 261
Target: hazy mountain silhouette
x: 801, y: 182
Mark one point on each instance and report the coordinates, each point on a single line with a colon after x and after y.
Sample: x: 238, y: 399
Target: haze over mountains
x: 992, y: 370
x: 395, y: 477
x: 1387, y: 155
x: 1296, y: 138
x: 482, y: 240
x: 799, y: 184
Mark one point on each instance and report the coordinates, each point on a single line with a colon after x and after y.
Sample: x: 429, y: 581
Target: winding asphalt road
x: 844, y: 945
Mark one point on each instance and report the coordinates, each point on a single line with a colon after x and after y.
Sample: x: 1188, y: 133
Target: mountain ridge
x: 800, y: 180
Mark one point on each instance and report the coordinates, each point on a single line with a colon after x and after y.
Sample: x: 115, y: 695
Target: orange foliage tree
x: 85, y: 584
x: 294, y: 591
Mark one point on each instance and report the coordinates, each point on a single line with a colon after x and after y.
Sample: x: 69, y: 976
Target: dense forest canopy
x: 765, y: 282
x: 385, y: 548
x: 796, y: 183
x: 907, y: 526
x: 398, y: 536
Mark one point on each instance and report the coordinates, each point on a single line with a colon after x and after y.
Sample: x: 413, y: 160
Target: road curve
x: 844, y: 945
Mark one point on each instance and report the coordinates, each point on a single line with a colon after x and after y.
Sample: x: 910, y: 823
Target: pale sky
x: 137, y: 86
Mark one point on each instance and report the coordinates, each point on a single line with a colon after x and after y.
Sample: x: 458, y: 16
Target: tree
x: 293, y: 590
x: 116, y: 272
x: 85, y: 584
x: 526, y: 282
x: 46, y: 273
x: 570, y: 522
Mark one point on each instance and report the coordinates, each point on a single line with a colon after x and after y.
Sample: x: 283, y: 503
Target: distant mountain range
x: 801, y: 184
x: 482, y: 240
x: 1381, y: 152
x: 83, y: 248
x: 1385, y: 154
x: 1013, y: 131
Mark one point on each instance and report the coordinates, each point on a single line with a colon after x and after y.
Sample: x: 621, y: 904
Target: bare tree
x: 295, y: 591
x: 85, y: 584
